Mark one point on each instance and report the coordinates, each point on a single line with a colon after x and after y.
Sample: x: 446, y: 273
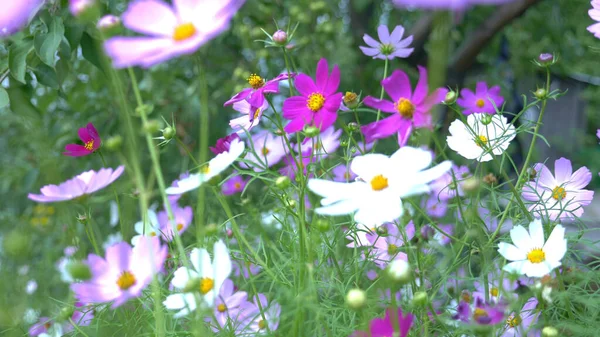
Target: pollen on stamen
x: 315, y: 101
x: 481, y: 141
x: 221, y: 307
x: 126, y: 280
x: 184, y: 32
x: 405, y: 108
x: 255, y: 81
x: 89, y: 145
x: 536, y: 255
x: 480, y: 103
x: 256, y: 113
x: 206, y: 285
x: 237, y: 186
x: 179, y: 226
x: 559, y: 193
x: 379, y: 182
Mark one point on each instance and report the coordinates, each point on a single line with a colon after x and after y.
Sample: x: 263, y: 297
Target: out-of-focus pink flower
x: 409, y: 109
x: 231, y: 309
x: 269, y: 149
x: 123, y: 274
x: 450, y: 184
x: 343, y: 173
x: 251, y: 116
x: 482, y: 314
x: 108, y: 22
x: 326, y: 143
x: 446, y: 4
x: 387, y: 248
x: 519, y: 323
x: 234, y: 185
x: 435, y: 207
x: 17, y: 14
x: 561, y: 196
x: 170, y: 31
x: 390, y: 45
x: 77, y: 7
x: 595, y: 15
x: 91, y: 142
x: 318, y: 103
x: 386, y: 327
x: 182, y: 220
x: 291, y: 167
x: 224, y: 143
x: 269, y: 317
x: 85, y: 183
x: 255, y: 95
x: 82, y: 316
x: 481, y: 100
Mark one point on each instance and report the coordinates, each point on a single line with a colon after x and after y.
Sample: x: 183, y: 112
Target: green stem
x: 204, y: 133
x: 385, y: 70
x: 116, y: 199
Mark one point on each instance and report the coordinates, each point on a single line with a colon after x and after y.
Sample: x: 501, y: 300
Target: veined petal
x: 563, y: 170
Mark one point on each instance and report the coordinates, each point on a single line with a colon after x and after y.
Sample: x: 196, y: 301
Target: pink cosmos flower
x: 251, y: 116
x: 77, y: 7
x: 387, y: 248
x: 434, y: 206
x: 231, y: 309
x: 409, y: 109
x: 123, y: 274
x: 85, y: 183
x: 595, y: 15
x: 255, y: 95
x: 518, y: 323
x: 91, y: 142
x: 17, y: 14
x: 481, y: 100
x: 269, y: 150
x: 391, y: 45
x: 82, y: 316
x: 318, y: 103
x: 171, y: 30
x: 386, y: 327
x: 291, y: 167
x: 269, y: 317
x: 561, y: 196
x: 241, y: 269
x: 446, y: 4
x: 182, y: 219
x: 450, y: 184
x: 343, y: 173
x: 224, y: 143
x: 482, y: 313
x: 234, y: 185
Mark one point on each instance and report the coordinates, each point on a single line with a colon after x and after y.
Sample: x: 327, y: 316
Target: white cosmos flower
x: 215, y: 166
x: 151, y: 227
x: 208, y: 276
x: 375, y: 196
x: 530, y: 255
x: 482, y: 140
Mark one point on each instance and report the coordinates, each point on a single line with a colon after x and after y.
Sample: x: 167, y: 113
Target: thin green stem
x: 203, y: 141
x: 385, y: 70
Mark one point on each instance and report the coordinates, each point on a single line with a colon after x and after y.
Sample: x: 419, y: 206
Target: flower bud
x: 79, y: 270
x: 486, y: 119
x: 168, y: 133
x: 545, y: 60
x: 229, y: 233
x: 490, y: 179
x: 399, y: 271
x: 280, y: 37
x: 356, y: 298
x: 65, y: 313
x: 311, y: 131
x: 152, y: 126
x: 282, y: 182
x: 351, y: 100
x: 211, y: 229
x: 113, y: 143
x: 450, y: 98
x: 353, y: 127
x: 322, y: 225
x: 427, y: 233
x: 470, y: 184
x: 82, y: 219
x: 109, y: 24
x: 531, y: 173
x: 344, y: 143
x: 549, y: 332
x: 291, y: 203
x: 420, y: 299
x: 381, y: 231
x: 541, y: 94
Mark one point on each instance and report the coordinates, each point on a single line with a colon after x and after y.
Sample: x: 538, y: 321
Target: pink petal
x: 371, y: 42
x: 382, y: 105
x: 404, y: 134
x: 84, y: 135
x: 117, y: 256
x: 384, y: 34
x: 322, y: 74
x: 240, y: 96
x: 397, y: 34
x: 422, y: 88
x: 150, y: 17
x: 580, y: 179
x: 186, y: 47
x: 92, y: 131
x: 481, y: 89
x: 333, y: 102
x: 295, y: 106
x: 130, y: 51
x: 562, y: 170
x: 324, y: 119
x: 543, y: 176
x: 334, y: 81
x: 296, y: 124
x: 75, y: 150
x: 383, y: 128
x: 305, y: 85
x: 47, y: 198
x: 397, y: 86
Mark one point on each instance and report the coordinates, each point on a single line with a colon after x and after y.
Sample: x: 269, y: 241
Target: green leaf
x: 4, y: 100
x: 47, y: 44
x: 90, y: 50
x: 46, y: 76
x: 17, y: 59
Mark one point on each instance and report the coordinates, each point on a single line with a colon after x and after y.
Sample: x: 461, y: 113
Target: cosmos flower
x: 386, y: 327
x: 375, y: 197
x: 408, y: 109
x: 255, y: 95
x: 215, y: 166
x: 241, y: 269
x: 82, y: 316
x: 558, y: 196
x: 251, y: 116
x: 518, y: 324
x: 169, y: 31
x: 147, y: 227
x: 434, y: 206
x: 224, y: 144
x: 182, y: 217
x: 326, y: 143
x: 318, y: 103
x: 123, y: 274
x: 482, y: 313
x: 446, y: 4
x: 268, y: 318
x: 390, y: 45
x: 595, y: 15
x: 269, y: 150
x: 17, y: 14
x: 342, y: 173
x: 489, y: 135
x: 231, y: 309
x: 481, y: 100
x: 290, y: 168
x: 234, y: 185
x: 529, y: 254
x: 91, y: 142
x: 208, y: 276
x: 387, y: 248
x: 82, y: 184
x: 450, y: 184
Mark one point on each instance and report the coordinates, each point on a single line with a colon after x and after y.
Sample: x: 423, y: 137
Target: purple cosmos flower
x: 123, y: 274
x: 17, y: 14
x: 391, y: 45
x: 268, y: 150
x: 231, y: 309
x: 561, y: 196
x: 82, y: 316
x: 481, y: 100
x: 386, y: 327
x: 343, y: 173
x: 173, y: 198
x: 435, y: 207
x: 387, y: 248
x: 482, y: 313
x: 291, y: 167
x: 241, y: 269
x: 233, y: 185
x: 85, y: 183
x: 269, y: 317
x: 445, y: 187
x: 224, y: 143
x: 496, y: 290
x: 409, y: 109
x: 446, y: 4
x: 255, y: 95
x: 326, y: 143
x: 171, y: 30
x: 318, y: 103
x: 441, y: 238
x: 91, y: 142
x: 518, y: 323
x: 251, y: 118
x: 595, y: 15
x: 182, y: 219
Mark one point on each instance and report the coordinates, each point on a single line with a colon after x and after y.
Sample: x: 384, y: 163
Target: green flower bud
x: 399, y: 271
x: 351, y: 100
x: 168, y: 133
x: 79, y: 270
x: 113, y: 143
x: 322, y: 225
x: 291, y: 203
x: 486, y: 119
x: 549, y: 332
x: 65, y: 313
x: 420, y: 299
x: 211, y: 229
x: 356, y: 298
x: 451, y: 97
x: 311, y: 131
x: 353, y: 127
x: 152, y: 126
x: 282, y: 182
x: 381, y: 231
x: 541, y: 94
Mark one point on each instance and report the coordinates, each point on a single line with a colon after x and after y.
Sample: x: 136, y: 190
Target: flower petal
x: 510, y: 252
x: 150, y: 17
x: 563, y: 170
x: 521, y: 239
x: 397, y: 85
x: 556, y: 246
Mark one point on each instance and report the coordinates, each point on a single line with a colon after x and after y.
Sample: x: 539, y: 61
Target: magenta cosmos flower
x: 318, y: 103
x: 123, y: 274
x: 17, y: 14
x: 85, y: 183
x: 390, y: 45
x: 409, y: 109
x: 91, y: 142
x: 446, y: 4
x: 255, y: 95
x: 385, y: 327
x: 483, y: 100
x: 561, y: 196
x: 595, y: 15
x: 170, y: 31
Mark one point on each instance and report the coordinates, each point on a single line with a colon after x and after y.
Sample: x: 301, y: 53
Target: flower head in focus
x: 318, y: 102
x: 169, y: 31
x: 558, y: 196
x: 384, y: 327
x: 91, y: 142
x: 530, y: 254
x: 255, y: 95
x: 123, y: 274
x: 390, y: 45
x: 481, y: 100
x: 17, y: 14
x: 84, y: 183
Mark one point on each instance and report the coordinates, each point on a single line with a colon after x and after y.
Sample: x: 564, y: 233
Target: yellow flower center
x: 206, y: 285
x: 255, y: 81
x: 237, y: 186
x: 265, y: 151
x: 513, y: 321
x: 221, y: 307
x: 479, y: 313
x: 179, y: 226
x: 89, y: 145
x: 559, y: 193
x: 481, y: 141
x: 537, y: 255
x: 256, y: 113
x: 405, y: 108
x: 315, y: 101
x: 392, y: 249
x: 494, y: 292
x: 205, y: 169
x: 184, y: 32
x: 126, y: 280
x: 379, y: 183
x: 480, y: 103
x: 262, y: 324
x: 152, y: 233
x: 466, y: 296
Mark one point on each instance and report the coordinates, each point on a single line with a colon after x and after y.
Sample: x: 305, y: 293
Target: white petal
x: 221, y: 264
x: 520, y: 238
x: 198, y: 257
x: 536, y: 269
x: 510, y: 252
x: 516, y: 267
x: 370, y: 165
x: 411, y: 159
x: 339, y: 208
x: 556, y: 246
x: 185, y: 302
x: 333, y: 191
x: 182, y: 276
x: 536, y: 232
x: 185, y: 185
